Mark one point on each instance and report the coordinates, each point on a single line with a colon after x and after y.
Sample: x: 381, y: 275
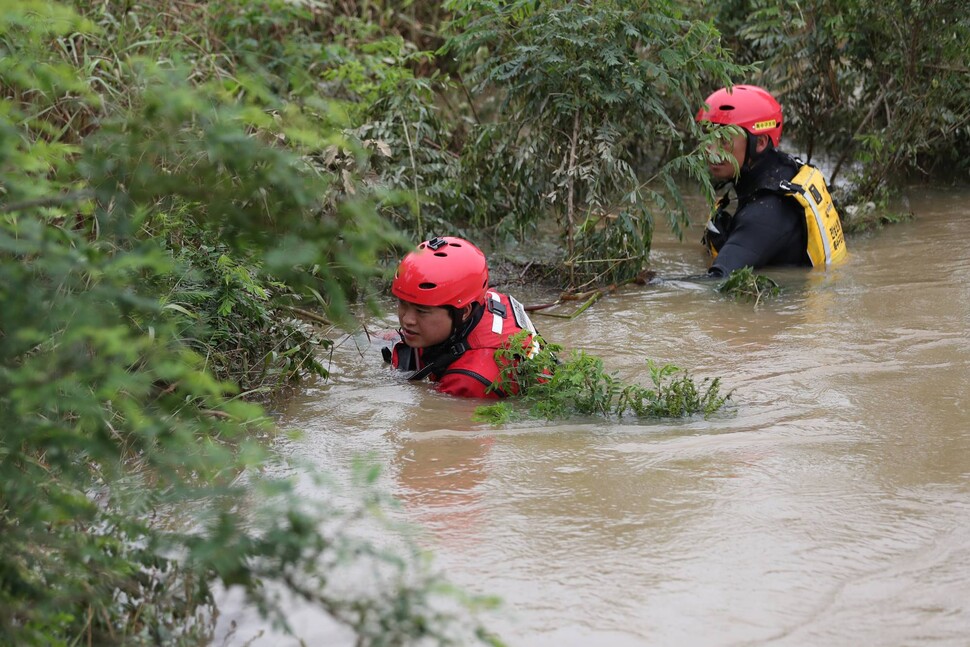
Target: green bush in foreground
x: 132, y: 478
x: 556, y: 389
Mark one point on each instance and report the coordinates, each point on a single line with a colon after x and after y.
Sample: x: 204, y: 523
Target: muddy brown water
x: 830, y: 507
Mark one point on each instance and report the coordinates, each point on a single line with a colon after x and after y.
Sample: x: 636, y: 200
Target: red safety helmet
x: 442, y: 272
x: 748, y: 106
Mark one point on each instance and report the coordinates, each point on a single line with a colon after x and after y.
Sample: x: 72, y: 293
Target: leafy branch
x: 745, y: 284
x: 554, y: 388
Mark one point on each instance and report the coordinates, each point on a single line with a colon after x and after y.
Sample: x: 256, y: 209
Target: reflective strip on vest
x: 523, y: 321
x: 819, y: 222
x: 496, y: 320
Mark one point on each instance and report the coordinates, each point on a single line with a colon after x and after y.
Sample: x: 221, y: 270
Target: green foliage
x: 277, y: 38
x: 554, y: 389
x: 87, y: 393
x: 152, y: 220
x: 357, y: 57
x: 395, y: 119
x: 745, y: 284
x: 240, y: 320
x: 587, y: 95
x: 880, y: 87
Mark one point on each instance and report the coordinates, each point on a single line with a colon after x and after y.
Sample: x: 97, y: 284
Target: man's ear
x: 466, y: 311
x: 763, y: 143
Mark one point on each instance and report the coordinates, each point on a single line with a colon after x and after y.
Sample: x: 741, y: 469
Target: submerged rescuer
x: 451, y: 323
x: 784, y: 214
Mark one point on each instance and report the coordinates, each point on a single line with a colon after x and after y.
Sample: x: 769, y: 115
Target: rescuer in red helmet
x: 451, y: 323
x: 784, y: 214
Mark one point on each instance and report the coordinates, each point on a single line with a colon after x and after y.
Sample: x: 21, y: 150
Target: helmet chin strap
x: 751, y: 154
x: 750, y: 150
x: 460, y: 328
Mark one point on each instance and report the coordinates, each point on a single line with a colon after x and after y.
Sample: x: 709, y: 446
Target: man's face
x: 726, y: 159
x: 423, y: 326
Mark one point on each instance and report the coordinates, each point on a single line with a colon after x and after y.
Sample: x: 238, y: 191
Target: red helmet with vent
x: 444, y: 271
x: 748, y: 106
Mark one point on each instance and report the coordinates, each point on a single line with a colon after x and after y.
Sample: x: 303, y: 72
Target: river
x: 829, y: 506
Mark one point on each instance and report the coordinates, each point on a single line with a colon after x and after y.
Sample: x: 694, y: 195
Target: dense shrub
x: 584, y: 93
x: 880, y: 88
x: 153, y: 220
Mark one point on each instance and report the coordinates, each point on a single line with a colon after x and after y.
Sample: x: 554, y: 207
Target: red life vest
x: 474, y: 370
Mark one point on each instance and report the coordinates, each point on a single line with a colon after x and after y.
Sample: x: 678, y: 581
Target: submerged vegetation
x: 555, y: 388
x: 185, y: 188
x: 747, y: 285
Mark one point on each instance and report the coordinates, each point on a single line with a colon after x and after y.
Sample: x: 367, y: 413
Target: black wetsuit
x: 767, y: 228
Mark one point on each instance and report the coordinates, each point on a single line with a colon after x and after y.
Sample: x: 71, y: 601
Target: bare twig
x: 306, y: 314
x: 541, y: 306
x: 845, y: 153
x: 571, y: 184
x: 590, y: 301
x: 414, y: 177
x: 468, y: 96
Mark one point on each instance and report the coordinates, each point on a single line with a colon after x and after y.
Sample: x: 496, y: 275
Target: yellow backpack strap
x: 826, y: 242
